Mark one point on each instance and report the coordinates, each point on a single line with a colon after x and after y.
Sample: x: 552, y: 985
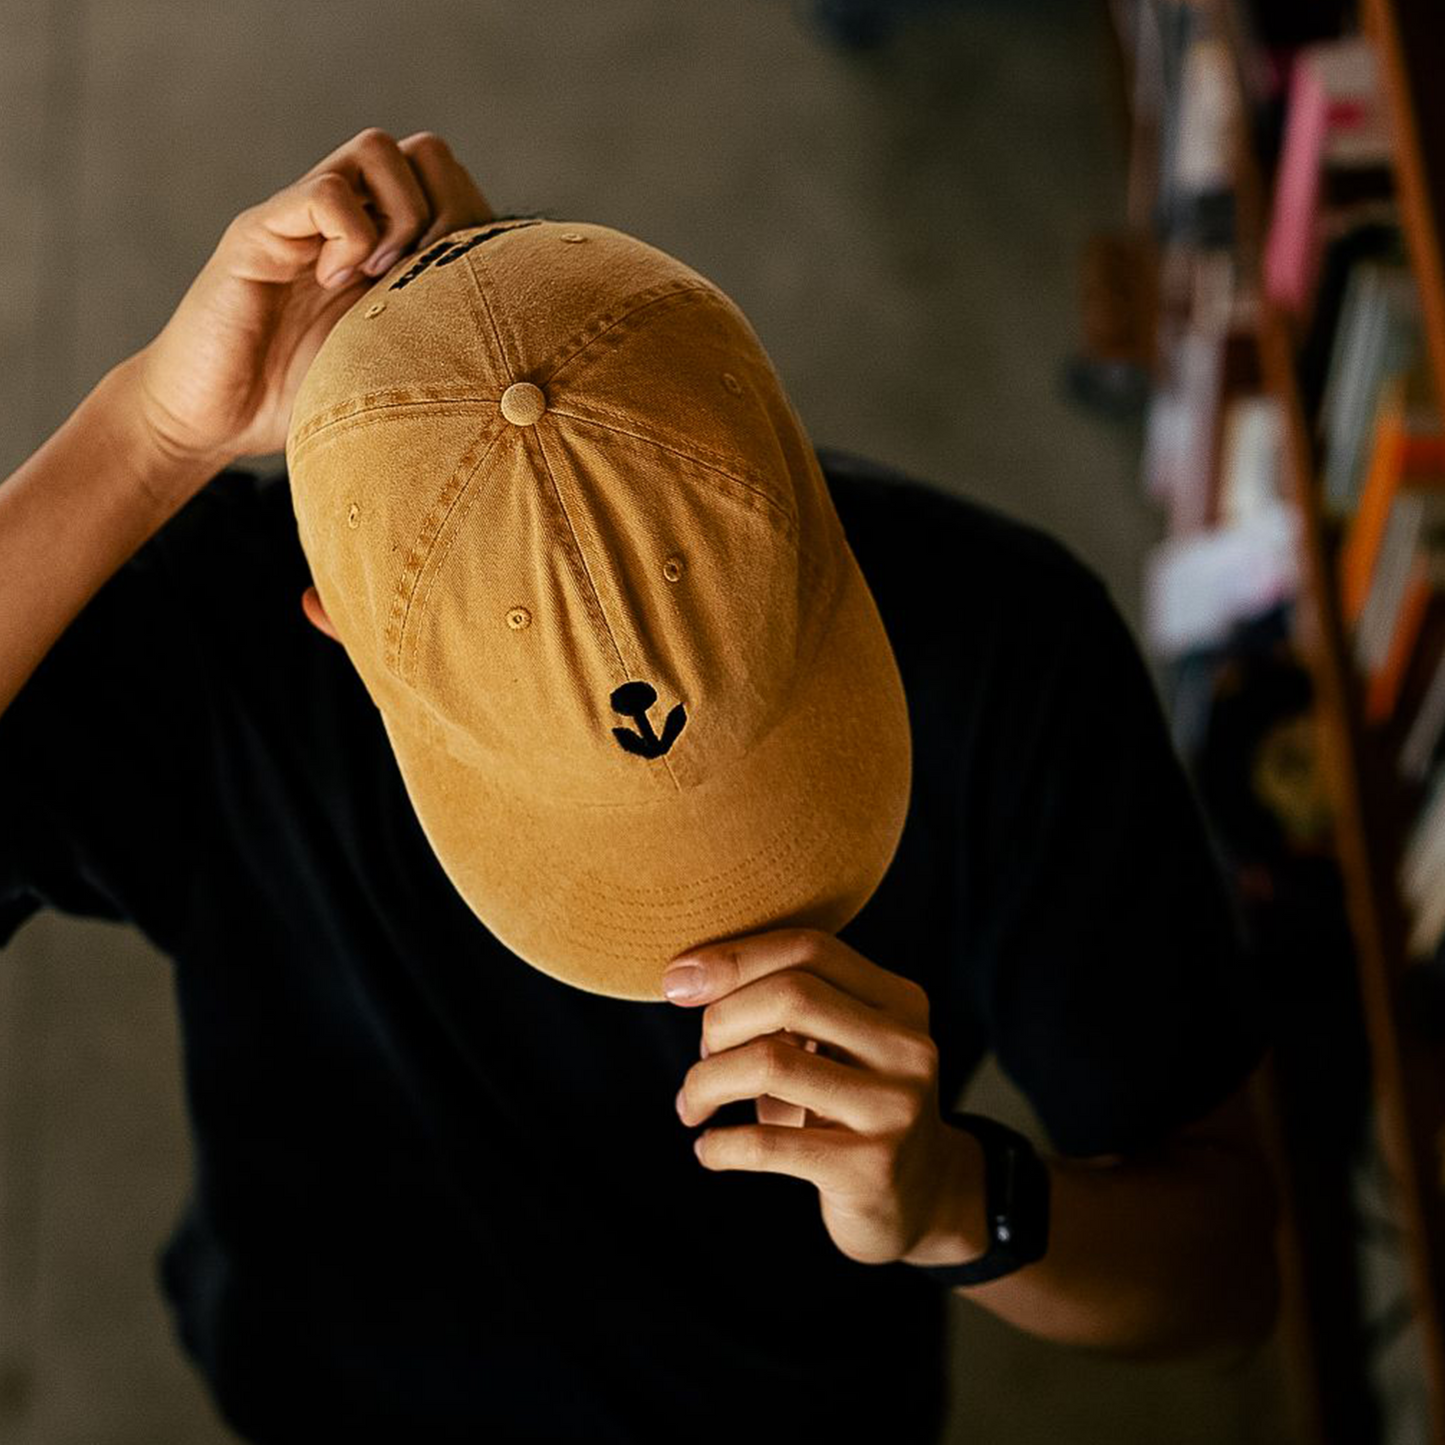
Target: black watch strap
x: 1016, y: 1202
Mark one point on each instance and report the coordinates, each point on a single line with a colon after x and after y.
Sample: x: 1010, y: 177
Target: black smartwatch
x: 1016, y: 1201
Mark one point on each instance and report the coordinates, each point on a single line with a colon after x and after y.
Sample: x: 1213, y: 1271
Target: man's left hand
x: 837, y: 1053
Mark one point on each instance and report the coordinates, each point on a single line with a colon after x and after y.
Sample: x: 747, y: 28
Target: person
x: 439, y: 1190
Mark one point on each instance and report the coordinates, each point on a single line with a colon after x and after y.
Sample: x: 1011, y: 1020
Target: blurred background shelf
x: 1409, y: 36
x: 1213, y: 86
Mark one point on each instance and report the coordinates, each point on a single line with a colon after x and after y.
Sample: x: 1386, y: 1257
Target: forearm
x: 72, y: 514
x: 1156, y: 1258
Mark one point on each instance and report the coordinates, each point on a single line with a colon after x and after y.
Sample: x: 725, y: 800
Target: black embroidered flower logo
x: 633, y: 699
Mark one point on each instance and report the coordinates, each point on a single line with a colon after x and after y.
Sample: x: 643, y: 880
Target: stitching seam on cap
x: 733, y: 466
x: 370, y: 406
x: 664, y: 293
x: 474, y: 263
x: 421, y: 550
x: 615, y: 899
x: 594, y: 606
x: 825, y: 603
x: 444, y: 730
x: 768, y: 900
x: 432, y: 567
x: 689, y: 904
x: 698, y: 459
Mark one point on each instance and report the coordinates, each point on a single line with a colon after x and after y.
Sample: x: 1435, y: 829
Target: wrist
x: 163, y: 476
x: 959, y: 1231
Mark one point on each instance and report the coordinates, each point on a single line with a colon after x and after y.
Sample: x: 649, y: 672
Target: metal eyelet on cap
x: 375, y: 309
x: 732, y: 383
x: 518, y: 618
x: 353, y: 516
x: 571, y: 236
x: 672, y: 568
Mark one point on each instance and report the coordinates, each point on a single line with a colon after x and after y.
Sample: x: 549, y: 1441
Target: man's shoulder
x: 235, y: 519
x: 231, y: 559
x: 916, y: 538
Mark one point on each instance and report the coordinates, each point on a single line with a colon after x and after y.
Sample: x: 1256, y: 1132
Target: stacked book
x: 1212, y: 457
x: 1346, y: 472
x: 1335, y: 263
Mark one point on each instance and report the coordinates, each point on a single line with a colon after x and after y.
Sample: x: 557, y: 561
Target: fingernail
x: 340, y: 278
x: 684, y: 982
x: 702, y: 1047
x: 677, y: 1103
x: 383, y: 262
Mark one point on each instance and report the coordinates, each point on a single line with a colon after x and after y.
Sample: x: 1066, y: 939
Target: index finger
x: 730, y: 963
x: 455, y: 198
x: 374, y: 164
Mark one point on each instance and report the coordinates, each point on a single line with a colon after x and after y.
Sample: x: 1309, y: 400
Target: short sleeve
x: 1115, y: 982
x: 100, y: 751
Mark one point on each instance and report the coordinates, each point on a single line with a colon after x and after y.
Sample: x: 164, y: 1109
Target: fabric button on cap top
x: 523, y: 403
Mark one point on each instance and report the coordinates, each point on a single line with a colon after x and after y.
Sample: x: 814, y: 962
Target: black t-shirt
x: 437, y: 1190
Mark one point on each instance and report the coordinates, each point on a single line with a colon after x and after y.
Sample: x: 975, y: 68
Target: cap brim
x: 799, y: 833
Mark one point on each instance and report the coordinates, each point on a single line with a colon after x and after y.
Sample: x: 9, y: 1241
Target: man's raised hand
x: 219, y: 380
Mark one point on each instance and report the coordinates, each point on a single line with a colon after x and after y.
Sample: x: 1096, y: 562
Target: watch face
x: 1029, y: 1226
x: 1016, y: 1190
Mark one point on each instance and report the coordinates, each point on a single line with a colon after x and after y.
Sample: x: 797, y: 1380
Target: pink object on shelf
x: 1336, y: 118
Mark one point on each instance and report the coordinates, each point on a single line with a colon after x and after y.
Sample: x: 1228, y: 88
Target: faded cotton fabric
x: 545, y: 475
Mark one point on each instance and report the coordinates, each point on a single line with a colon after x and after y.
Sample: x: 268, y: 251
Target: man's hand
x: 1165, y: 1253
x: 837, y: 1053
x: 219, y: 380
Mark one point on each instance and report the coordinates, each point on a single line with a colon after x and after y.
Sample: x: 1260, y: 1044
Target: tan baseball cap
x: 579, y: 548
